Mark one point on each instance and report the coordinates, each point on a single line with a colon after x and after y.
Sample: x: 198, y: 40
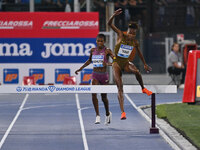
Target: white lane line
x: 46, y: 106
x: 138, y: 109
x: 81, y: 123
x: 13, y: 122
x: 162, y: 133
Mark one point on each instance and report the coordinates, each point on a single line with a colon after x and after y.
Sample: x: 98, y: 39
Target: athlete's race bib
x: 97, y: 60
x: 124, y: 51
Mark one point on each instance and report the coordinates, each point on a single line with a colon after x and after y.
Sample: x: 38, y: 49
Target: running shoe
x: 146, y: 91
x: 123, y: 116
x: 108, y: 119
x: 98, y: 119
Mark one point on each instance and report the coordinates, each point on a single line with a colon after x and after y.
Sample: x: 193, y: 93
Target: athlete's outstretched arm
x: 146, y: 67
x: 86, y: 63
x: 112, y: 55
x: 110, y: 21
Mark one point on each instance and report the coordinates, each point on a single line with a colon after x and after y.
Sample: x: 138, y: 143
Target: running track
x: 66, y: 122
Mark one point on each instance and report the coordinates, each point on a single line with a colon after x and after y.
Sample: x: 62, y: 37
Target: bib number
x: 97, y: 60
x: 124, y: 51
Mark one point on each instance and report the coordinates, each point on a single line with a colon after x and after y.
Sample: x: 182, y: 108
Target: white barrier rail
x: 85, y: 89
x: 94, y: 89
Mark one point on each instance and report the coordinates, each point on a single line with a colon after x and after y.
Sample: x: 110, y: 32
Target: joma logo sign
x: 13, y: 49
x: 66, y: 49
x: 54, y: 49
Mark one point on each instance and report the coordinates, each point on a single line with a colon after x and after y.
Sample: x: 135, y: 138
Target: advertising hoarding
x: 45, y: 41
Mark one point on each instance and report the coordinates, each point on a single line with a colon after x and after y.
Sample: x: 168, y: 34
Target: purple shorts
x: 103, y: 77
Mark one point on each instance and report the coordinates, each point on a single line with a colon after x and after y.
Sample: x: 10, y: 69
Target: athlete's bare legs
x: 94, y: 98
x: 105, y: 102
x: 130, y: 67
x: 118, y: 81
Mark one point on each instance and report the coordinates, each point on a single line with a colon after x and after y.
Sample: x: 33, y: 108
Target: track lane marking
x: 81, y: 123
x: 13, y: 121
x: 162, y: 133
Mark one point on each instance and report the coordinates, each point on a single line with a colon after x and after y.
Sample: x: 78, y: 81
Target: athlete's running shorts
x: 121, y: 62
x: 102, y: 77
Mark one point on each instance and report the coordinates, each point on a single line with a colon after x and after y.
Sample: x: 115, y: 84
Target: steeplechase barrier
x: 156, y: 89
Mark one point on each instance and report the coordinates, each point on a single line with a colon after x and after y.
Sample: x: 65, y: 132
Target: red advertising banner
x: 48, y: 25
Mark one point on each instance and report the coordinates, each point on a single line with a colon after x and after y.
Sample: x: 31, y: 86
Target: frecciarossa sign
x: 47, y: 37
x: 48, y: 25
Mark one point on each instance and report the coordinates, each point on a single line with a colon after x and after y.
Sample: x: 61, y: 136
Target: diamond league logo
x: 19, y: 89
x: 51, y: 88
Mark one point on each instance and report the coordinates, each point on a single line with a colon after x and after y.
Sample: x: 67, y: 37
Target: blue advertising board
x: 45, y: 50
